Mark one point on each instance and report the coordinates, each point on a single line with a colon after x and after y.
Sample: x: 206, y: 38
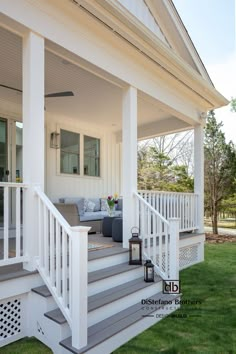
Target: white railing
x: 62, y: 263
x: 12, y: 245
x: 160, y: 239
x: 175, y: 205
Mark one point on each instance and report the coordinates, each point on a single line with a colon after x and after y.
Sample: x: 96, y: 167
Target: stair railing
x: 160, y: 239
x: 175, y: 205
x: 62, y: 263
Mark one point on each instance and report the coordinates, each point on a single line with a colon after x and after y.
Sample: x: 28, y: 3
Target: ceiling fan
x: 49, y: 95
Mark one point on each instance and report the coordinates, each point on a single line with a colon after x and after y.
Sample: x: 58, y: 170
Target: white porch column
x: 33, y: 136
x: 199, y: 174
x: 129, y: 168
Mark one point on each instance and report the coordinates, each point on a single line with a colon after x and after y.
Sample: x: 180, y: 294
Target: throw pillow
x: 104, y: 205
x: 90, y: 206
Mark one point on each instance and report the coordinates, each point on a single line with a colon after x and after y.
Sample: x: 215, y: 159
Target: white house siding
x: 140, y: 10
x: 58, y: 185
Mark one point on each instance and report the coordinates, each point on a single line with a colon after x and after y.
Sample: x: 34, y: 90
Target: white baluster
x: 174, y: 249
x: 18, y: 213
x: 6, y: 221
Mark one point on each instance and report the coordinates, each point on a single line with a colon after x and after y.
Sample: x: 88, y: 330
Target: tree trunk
x: 215, y: 221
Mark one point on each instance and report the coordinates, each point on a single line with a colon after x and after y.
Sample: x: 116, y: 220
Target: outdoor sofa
x: 86, y: 211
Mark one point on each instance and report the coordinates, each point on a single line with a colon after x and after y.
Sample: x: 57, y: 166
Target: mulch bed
x: 213, y: 238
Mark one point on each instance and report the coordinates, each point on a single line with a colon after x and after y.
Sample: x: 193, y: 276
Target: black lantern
x: 135, y: 248
x: 148, y: 271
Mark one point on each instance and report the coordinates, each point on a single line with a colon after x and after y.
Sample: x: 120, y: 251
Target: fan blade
x: 55, y: 94
x: 60, y: 94
x: 11, y: 88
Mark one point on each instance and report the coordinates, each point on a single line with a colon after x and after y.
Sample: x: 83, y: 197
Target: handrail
x: 151, y: 208
x: 164, y: 192
x: 175, y: 205
x: 63, y: 261
x: 14, y: 184
x: 53, y: 210
x: 160, y: 239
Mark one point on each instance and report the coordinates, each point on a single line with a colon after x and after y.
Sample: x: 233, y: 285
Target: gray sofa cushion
x: 78, y: 201
x: 98, y: 215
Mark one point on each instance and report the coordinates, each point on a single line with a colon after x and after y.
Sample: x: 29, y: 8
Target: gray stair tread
x: 56, y: 316
x: 116, y: 323
x: 42, y: 290
x: 101, y: 299
x: 106, y: 252
x: 14, y: 271
x: 110, y: 271
x: 117, y: 292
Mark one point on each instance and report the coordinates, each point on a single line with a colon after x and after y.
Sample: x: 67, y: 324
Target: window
x: 70, y: 152
x: 91, y: 156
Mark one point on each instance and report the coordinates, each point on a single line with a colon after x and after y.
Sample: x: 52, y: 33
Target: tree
x: 220, y: 168
x: 164, y: 163
x: 233, y: 105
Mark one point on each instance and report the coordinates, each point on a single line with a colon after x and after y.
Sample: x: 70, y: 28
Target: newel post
x: 79, y: 285
x: 174, y: 249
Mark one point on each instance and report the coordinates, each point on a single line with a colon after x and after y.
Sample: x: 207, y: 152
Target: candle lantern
x: 135, y: 247
x: 148, y: 271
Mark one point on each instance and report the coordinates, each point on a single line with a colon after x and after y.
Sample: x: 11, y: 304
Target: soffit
x: 95, y: 100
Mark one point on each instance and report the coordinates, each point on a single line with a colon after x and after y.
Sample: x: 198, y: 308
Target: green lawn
x: 209, y: 328
x: 26, y: 346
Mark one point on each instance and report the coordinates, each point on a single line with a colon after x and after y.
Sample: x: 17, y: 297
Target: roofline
x: 190, y: 39
x: 120, y: 21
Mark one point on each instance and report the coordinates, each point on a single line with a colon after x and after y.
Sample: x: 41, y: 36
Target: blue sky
x: 211, y: 26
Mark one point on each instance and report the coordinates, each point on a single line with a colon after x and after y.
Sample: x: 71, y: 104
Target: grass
x: 26, y: 346
x: 209, y: 328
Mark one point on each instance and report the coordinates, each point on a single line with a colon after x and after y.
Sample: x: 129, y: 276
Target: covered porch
x: 119, y: 96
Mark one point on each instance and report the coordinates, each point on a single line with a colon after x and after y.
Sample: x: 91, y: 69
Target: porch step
x: 110, y: 272
x: 114, y: 331
x: 116, y: 293
x: 14, y: 271
x: 56, y: 316
x: 42, y: 290
x: 107, y: 257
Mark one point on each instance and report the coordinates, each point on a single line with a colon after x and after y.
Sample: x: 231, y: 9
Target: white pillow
x: 90, y: 206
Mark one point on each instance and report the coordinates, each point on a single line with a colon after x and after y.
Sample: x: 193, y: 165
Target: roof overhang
x: 119, y: 20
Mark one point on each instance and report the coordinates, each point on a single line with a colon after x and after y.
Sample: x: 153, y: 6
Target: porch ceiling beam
x: 158, y: 128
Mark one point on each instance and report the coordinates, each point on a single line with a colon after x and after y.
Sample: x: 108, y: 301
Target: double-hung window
x: 70, y: 152
x: 73, y: 159
x: 91, y: 156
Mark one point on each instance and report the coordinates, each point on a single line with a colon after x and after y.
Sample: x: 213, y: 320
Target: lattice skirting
x: 189, y: 255
x: 12, y: 319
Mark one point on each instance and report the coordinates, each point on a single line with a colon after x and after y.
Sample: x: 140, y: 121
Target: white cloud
x: 223, y: 76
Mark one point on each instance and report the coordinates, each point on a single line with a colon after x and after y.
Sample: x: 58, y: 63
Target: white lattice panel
x: 189, y: 255
x: 12, y: 319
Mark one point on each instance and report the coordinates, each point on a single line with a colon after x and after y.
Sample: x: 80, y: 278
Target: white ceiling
x: 95, y: 99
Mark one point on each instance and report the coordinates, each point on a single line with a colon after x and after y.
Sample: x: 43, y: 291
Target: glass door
x: 11, y: 150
